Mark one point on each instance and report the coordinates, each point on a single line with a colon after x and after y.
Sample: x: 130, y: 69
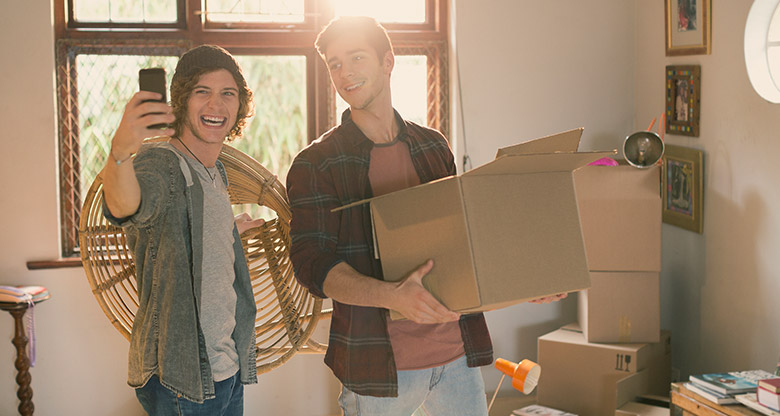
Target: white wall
x: 719, y: 288
x: 531, y: 68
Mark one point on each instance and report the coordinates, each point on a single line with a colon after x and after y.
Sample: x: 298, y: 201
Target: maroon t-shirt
x: 415, y: 346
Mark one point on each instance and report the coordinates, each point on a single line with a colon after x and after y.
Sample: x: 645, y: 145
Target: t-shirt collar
x: 358, y: 138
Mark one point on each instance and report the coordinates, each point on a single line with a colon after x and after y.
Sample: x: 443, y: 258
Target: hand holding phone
x: 153, y: 79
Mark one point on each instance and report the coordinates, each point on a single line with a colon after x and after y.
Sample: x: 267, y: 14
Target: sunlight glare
x: 408, y: 88
x: 398, y: 11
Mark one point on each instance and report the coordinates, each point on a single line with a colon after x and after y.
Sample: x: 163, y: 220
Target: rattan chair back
x: 287, y: 313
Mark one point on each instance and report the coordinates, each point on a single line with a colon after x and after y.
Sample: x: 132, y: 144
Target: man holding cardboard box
x: 386, y: 367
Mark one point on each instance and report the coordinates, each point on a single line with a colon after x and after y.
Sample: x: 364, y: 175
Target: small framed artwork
x: 683, y: 96
x: 682, y: 180
x: 688, y: 27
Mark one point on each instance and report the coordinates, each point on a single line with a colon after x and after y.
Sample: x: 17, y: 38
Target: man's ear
x: 388, y: 62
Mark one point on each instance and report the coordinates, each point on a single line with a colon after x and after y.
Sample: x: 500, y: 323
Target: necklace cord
x: 196, y: 158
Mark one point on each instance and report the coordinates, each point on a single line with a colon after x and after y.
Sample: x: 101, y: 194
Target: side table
x: 22, y: 363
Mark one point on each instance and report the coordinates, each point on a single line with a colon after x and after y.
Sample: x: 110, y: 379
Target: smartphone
x: 153, y: 79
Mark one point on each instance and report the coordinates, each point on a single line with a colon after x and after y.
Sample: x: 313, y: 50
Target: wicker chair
x: 287, y: 314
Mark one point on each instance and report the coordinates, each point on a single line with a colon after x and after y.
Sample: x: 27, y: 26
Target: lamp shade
x: 525, y: 375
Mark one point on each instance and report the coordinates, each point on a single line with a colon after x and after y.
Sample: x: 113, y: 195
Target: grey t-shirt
x: 218, y: 298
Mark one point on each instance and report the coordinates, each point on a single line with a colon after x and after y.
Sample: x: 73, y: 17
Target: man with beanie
x: 192, y: 346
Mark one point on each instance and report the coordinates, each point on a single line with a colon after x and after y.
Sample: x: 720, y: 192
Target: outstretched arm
x: 121, y: 190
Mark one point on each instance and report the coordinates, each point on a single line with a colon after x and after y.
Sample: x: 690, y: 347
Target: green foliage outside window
x: 273, y: 136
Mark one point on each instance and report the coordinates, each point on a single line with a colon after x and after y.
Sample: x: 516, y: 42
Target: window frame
x: 430, y: 38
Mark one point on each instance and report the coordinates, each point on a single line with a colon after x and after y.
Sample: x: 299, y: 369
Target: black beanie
x: 207, y: 57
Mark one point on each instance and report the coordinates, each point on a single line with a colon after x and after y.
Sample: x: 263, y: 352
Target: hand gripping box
x: 503, y: 233
x: 596, y: 379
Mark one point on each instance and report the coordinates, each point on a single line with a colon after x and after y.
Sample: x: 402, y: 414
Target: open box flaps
x: 567, y: 141
x: 504, y: 233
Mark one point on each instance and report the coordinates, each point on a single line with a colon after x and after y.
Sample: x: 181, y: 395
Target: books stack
x: 750, y: 400
x: 768, y: 393
x: 725, y: 388
x: 537, y: 410
x: 766, y: 399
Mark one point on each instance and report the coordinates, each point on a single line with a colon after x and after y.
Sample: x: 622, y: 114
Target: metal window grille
x: 84, y: 138
x: 85, y: 130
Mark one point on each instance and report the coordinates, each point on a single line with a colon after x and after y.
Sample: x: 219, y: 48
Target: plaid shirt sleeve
x: 314, y: 232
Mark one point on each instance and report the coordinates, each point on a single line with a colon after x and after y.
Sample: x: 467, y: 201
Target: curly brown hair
x: 182, y: 87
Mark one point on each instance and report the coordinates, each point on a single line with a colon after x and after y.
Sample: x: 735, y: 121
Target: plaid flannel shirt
x: 332, y: 172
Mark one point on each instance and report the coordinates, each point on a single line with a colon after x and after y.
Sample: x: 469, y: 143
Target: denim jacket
x: 165, y: 237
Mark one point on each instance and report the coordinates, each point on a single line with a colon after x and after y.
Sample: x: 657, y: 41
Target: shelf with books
x: 731, y: 383
x: 691, y: 403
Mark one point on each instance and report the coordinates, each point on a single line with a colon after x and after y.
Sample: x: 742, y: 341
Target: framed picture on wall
x: 682, y: 180
x: 688, y: 27
x: 683, y: 96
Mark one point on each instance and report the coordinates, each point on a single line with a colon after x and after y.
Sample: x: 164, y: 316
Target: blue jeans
x: 451, y: 389
x: 157, y: 400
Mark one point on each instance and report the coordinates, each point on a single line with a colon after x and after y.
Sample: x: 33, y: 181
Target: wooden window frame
x: 429, y: 38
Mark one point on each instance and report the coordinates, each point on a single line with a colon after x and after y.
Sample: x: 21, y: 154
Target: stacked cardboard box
x: 617, y: 351
x: 620, y: 212
x: 596, y: 379
x: 620, y: 217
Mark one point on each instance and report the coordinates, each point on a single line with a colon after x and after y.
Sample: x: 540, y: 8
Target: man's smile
x: 354, y: 86
x: 213, y: 121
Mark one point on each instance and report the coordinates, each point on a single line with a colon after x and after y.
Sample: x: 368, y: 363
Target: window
x: 101, y: 44
x: 762, y: 48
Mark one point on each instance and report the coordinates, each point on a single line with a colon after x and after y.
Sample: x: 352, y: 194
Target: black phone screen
x: 153, y: 79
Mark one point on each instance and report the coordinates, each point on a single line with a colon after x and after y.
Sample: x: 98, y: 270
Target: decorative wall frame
x: 682, y: 180
x: 688, y: 27
x: 683, y: 99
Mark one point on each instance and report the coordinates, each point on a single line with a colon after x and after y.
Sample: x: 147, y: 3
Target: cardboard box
x: 620, y: 208
x: 621, y: 307
x: 503, y: 233
x: 596, y: 379
x: 620, y: 212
